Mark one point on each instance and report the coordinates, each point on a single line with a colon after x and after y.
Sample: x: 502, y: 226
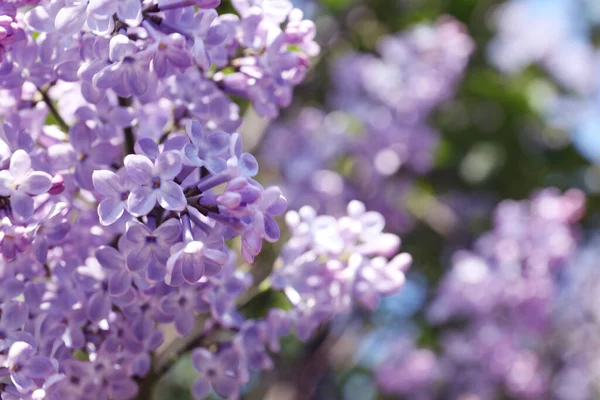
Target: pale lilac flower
x: 25, y: 366
x: 155, y: 183
x: 218, y: 371
x: 115, y: 190
x: 20, y: 182
x: 206, y: 150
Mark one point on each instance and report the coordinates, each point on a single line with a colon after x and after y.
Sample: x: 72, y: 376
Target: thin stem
x: 61, y: 122
x: 128, y: 131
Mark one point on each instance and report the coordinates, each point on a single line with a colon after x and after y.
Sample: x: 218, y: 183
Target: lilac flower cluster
x: 125, y: 188
x: 329, y: 264
x: 10, y: 32
x: 378, y: 136
x: 575, y: 324
x: 500, y: 301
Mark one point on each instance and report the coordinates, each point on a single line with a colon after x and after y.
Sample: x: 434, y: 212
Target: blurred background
x: 434, y: 112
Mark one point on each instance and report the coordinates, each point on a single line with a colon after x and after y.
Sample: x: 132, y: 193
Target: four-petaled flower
x: 20, y: 183
x: 155, y: 183
x: 25, y: 366
x: 217, y: 370
x: 115, y: 190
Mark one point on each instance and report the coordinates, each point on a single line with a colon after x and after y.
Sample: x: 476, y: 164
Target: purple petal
x: 156, y: 271
x: 218, y: 142
x: 200, y: 54
x: 201, y: 359
x: 81, y: 137
x: 130, y: 11
x: 102, y: 7
x: 168, y: 232
x: 121, y: 116
x: 110, y: 210
x: 142, y: 200
x: 201, y: 388
x: 168, y: 164
x: 20, y: 164
x: 36, y: 182
x: 225, y: 385
x: 139, y: 168
x: 192, y: 268
x: 248, y: 165
x: 137, y: 232
x: 110, y: 258
x: 40, y: 20
x: 120, y: 47
x: 62, y: 156
x: 216, y: 35
x: 40, y: 248
x: 98, y: 306
x: 14, y: 315
x: 21, y: 380
x: 271, y: 230
x: 216, y: 255
x: 107, y: 78
x: 6, y: 183
x: 211, y: 269
x: 70, y: 20
x: 159, y: 64
x: 137, y: 80
x: 123, y: 389
x: 83, y: 175
x: 39, y: 367
x: 138, y: 259
x: 107, y: 183
x: 191, y: 153
x: 170, y: 196
x: 184, y: 323
x: 99, y: 24
x: 173, y: 276
x: 195, y: 132
x: 179, y: 58
x: 148, y: 147
x: 119, y: 282
x: 22, y: 205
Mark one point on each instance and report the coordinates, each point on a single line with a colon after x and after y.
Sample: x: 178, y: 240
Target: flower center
x: 124, y: 196
x: 155, y: 183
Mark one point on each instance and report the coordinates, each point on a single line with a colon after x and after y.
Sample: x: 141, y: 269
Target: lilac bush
x: 375, y: 138
x: 126, y: 197
x: 498, y: 303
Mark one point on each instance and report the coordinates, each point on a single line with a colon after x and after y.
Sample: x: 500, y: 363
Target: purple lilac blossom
x: 329, y: 265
